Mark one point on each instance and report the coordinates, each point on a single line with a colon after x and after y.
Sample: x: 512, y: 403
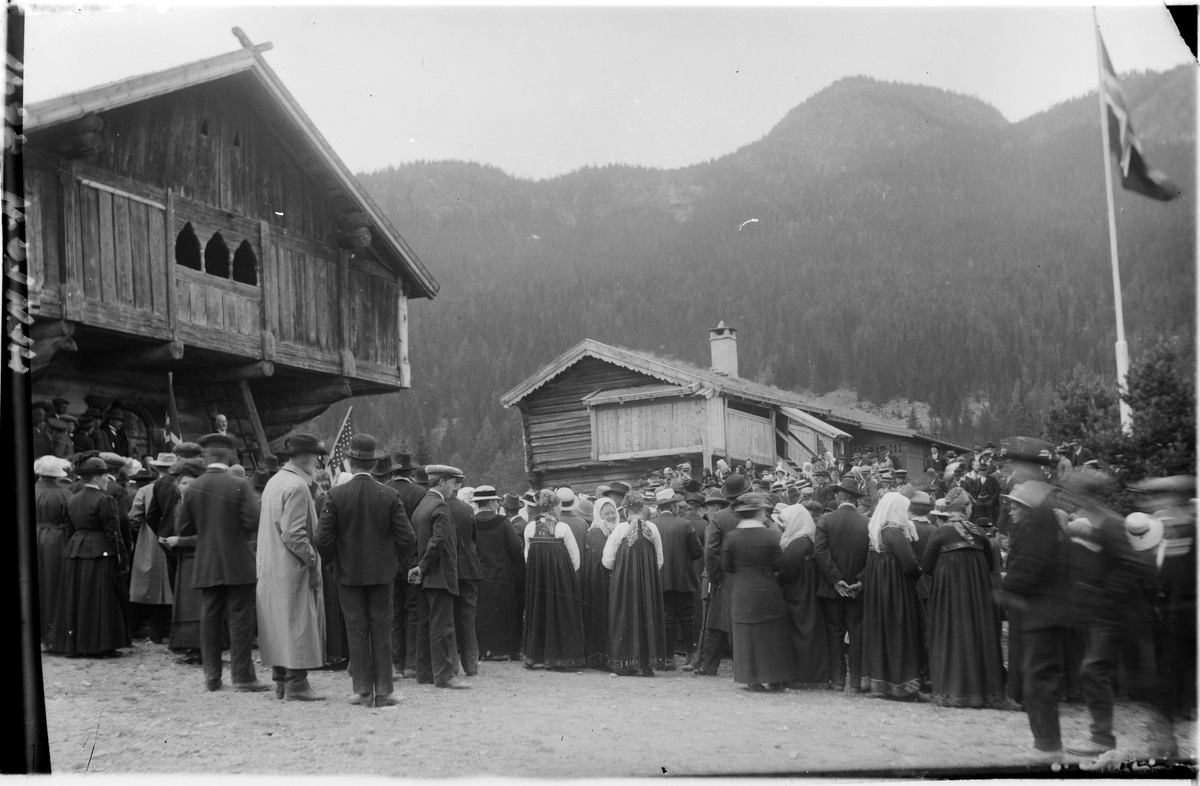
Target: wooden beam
x: 259, y: 369
x: 266, y: 288
x: 637, y: 454
x: 402, y: 345
x: 248, y: 400
x: 167, y: 352
x: 169, y: 256
x: 304, y: 395
x: 351, y: 239
x: 51, y: 329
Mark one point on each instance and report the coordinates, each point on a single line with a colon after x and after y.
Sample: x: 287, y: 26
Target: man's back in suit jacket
x: 365, y: 532
x: 463, y: 514
x: 410, y: 493
x: 681, y: 548
x: 223, y: 510
x: 437, y: 543
x: 840, y: 548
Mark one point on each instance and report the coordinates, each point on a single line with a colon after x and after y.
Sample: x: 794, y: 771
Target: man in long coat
x: 407, y: 482
x: 436, y: 574
x: 470, y: 572
x: 840, y: 550
x: 363, y: 525
x: 718, y: 620
x: 680, y: 548
x: 223, y: 509
x: 291, y: 605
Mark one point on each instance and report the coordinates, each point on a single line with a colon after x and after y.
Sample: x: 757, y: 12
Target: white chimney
x: 723, y: 343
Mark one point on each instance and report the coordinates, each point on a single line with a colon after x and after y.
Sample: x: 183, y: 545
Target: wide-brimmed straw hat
x: 1143, y: 530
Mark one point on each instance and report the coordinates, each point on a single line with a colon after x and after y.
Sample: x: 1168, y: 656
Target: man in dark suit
x: 112, y: 434
x: 935, y: 460
x: 680, y: 548
x: 223, y: 509
x: 409, y: 481
x: 365, y: 532
x: 840, y: 549
x: 436, y: 573
x: 469, y: 573
x: 718, y: 620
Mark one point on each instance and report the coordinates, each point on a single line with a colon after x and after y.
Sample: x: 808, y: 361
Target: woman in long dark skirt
x: 800, y: 577
x: 497, y: 625
x: 893, y: 639
x: 636, y: 620
x: 763, y: 658
x: 965, y: 664
x: 553, y: 629
x: 185, y: 612
x: 92, y: 607
x: 50, y: 504
x: 595, y: 582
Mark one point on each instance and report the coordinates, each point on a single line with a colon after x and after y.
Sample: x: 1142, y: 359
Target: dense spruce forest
x: 911, y: 245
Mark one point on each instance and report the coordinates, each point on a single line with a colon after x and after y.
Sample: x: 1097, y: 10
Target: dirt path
x: 144, y: 713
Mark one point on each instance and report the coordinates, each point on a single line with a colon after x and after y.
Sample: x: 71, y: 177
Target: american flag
x: 341, y: 446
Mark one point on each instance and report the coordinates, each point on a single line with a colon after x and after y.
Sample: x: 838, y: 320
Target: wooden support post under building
x: 402, y: 339
x: 260, y: 436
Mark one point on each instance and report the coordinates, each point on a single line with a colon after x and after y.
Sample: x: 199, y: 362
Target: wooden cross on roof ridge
x: 258, y: 49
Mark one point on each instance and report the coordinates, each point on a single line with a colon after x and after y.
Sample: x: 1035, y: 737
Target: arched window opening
x: 187, y: 247
x: 245, y: 265
x: 204, y: 127
x: 216, y: 257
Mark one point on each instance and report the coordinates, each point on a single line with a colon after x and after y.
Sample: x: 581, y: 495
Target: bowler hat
x: 511, y: 502
x: 362, y: 448
x: 115, y: 414
x: 92, y: 466
x: 302, y: 443
x: 403, y: 463
x: 217, y: 440
x: 735, y: 486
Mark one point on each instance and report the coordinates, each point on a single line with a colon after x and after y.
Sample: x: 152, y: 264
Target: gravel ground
x: 144, y: 713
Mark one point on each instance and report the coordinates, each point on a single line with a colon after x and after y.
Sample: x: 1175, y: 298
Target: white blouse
x: 563, y: 533
x: 620, y: 532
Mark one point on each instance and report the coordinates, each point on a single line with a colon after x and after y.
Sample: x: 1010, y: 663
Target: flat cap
x: 443, y: 470
x: 217, y: 440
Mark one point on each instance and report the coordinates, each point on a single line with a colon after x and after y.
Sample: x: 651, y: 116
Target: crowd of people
x: 999, y: 578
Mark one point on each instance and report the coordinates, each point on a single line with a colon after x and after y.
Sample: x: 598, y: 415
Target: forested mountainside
x: 910, y: 244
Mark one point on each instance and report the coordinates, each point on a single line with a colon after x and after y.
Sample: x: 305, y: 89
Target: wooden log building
x: 195, y: 221
x: 599, y: 413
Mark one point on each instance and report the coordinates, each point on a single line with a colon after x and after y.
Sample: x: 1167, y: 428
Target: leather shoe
x: 251, y: 687
x: 302, y: 695
x: 387, y: 701
x: 361, y: 699
x: 213, y: 685
x: 409, y: 674
x: 454, y: 684
x: 1088, y: 748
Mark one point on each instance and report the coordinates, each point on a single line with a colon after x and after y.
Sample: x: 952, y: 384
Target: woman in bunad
x: 50, y: 504
x: 595, y: 580
x: 750, y: 561
x: 185, y: 612
x: 90, y: 617
x: 893, y: 639
x: 965, y: 664
x: 800, y: 577
x: 636, y: 620
x: 553, y: 628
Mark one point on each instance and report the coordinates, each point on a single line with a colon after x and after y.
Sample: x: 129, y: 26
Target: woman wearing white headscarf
x: 893, y: 639
x: 800, y: 577
x: 965, y: 664
x: 594, y: 583
x: 636, y: 620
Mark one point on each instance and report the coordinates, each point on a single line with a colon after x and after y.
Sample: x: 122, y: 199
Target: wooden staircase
x: 234, y: 400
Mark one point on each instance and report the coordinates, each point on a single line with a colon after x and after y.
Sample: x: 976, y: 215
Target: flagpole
x: 1122, y: 349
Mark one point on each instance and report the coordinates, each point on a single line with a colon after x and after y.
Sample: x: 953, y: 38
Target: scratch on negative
x: 93, y: 751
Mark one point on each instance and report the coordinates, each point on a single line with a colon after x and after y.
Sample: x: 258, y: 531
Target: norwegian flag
x: 1136, y: 174
x: 341, y: 445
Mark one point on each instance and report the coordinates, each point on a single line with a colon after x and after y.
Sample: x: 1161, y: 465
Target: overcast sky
x: 541, y: 91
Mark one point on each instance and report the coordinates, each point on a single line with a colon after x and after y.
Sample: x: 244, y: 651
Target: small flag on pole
x: 341, y: 445
x: 174, y: 432
x: 1136, y: 174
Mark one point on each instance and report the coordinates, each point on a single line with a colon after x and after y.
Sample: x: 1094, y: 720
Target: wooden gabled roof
x: 688, y: 379
x: 326, y: 166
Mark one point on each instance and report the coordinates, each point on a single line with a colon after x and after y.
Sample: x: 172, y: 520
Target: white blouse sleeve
x: 657, y: 538
x: 610, y: 546
x: 530, y: 528
x: 563, y: 533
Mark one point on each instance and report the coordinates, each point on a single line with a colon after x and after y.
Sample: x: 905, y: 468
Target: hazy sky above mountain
x: 540, y: 91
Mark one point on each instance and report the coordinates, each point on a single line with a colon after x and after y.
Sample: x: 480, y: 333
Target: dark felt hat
x: 383, y: 467
x: 217, y: 440
x: 115, y: 414
x: 362, y: 448
x: 735, y: 486
x: 850, y: 487
x: 619, y: 488
x: 403, y: 463
x: 511, y: 502
x: 303, y: 443
x: 92, y: 466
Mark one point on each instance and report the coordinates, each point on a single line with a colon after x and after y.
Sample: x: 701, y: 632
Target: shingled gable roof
x: 248, y: 61
x: 687, y: 375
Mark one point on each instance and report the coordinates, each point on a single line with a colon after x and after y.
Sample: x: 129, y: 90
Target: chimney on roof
x: 723, y: 343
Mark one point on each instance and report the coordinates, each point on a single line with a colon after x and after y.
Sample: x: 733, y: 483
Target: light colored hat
x: 1030, y: 494
x: 49, y: 467
x: 920, y: 498
x: 666, y: 495
x: 1143, y: 530
x: 163, y: 460
x: 567, y: 497
x: 443, y: 470
x: 687, y: 465
x: 132, y: 467
x: 485, y: 493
